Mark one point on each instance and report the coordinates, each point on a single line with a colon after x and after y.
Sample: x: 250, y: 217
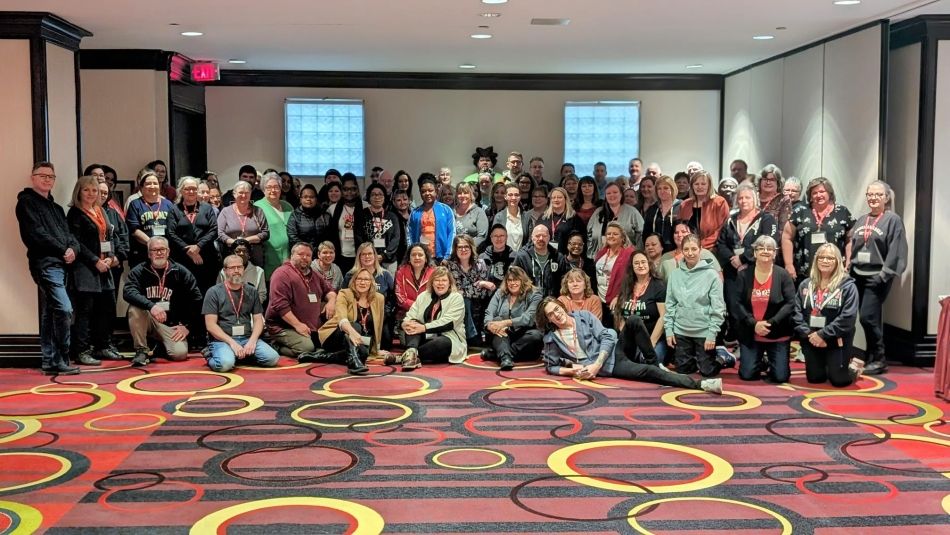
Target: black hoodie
x: 44, y: 230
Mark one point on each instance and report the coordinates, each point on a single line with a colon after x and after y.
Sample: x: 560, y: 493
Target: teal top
x: 277, y: 246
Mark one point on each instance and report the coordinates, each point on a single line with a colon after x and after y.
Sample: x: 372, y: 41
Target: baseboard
x: 903, y: 346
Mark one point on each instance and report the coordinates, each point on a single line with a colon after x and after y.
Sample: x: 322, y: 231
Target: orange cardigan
x: 715, y: 212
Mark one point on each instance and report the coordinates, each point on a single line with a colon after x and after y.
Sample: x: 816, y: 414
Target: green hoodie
x: 694, y: 303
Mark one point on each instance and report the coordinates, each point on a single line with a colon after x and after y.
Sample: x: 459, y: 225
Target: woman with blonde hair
x: 577, y: 294
x: 435, y: 325
x: 561, y: 219
x: 354, y: 331
x: 367, y: 258
x: 470, y: 220
x: 705, y: 210
x: 659, y: 218
x: 829, y: 305
x: 610, y: 264
x: 509, y: 321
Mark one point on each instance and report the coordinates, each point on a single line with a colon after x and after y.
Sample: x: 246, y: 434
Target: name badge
x: 158, y: 230
x: 864, y: 257
x: 365, y: 340
x: 429, y: 336
x: 818, y: 238
x: 237, y: 330
x: 817, y: 322
x: 348, y: 234
x: 312, y: 298
x: 164, y: 305
x: 424, y: 240
x: 105, y: 247
x: 379, y: 242
x: 553, y: 244
x: 739, y: 251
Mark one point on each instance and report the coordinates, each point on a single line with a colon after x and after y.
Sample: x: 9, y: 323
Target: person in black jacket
x: 381, y: 227
x: 345, y: 224
x: 542, y: 263
x: 302, y: 226
x: 163, y: 298
x: 829, y: 304
x: 765, y: 314
x: 50, y: 249
x: 192, y: 231
x: 90, y: 279
x: 120, y: 240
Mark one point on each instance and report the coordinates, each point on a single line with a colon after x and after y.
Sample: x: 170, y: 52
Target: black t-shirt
x: 645, y: 306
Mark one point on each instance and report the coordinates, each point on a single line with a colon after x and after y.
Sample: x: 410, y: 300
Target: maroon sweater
x: 289, y: 292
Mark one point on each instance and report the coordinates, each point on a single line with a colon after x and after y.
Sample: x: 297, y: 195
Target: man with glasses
x: 543, y: 263
x: 50, y: 248
x: 163, y: 299
x: 515, y: 165
x: 234, y: 318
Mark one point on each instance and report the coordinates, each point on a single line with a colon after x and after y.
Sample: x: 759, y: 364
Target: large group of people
x: 644, y: 277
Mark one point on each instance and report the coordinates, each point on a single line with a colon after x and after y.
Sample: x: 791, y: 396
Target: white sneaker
x: 856, y: 367
x: 713, y: 386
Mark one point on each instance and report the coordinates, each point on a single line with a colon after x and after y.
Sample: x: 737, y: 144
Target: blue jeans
x: 56, y: 313
x: 222, y: 357
x: 661, y: 348
x: 751, y: 365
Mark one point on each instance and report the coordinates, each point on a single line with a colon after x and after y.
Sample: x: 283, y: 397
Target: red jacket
x: 715, y: 212
x: 621, y: 266
x: 407, y: 289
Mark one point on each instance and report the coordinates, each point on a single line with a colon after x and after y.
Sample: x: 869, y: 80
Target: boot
x: 60, y: 369
x: 354, y: 364
x: 506, y: 363
x: 108, y: 353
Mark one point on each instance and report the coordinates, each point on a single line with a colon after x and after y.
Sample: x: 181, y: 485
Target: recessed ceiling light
x: 763, y: 37
x: 192, y: 34
x: 494, y: 1
x: 466, y: 66
x: 237, y: 61
x: 695, y: 66
x: 490, y: 15
x: 846, y: 2
x: 481, y: 36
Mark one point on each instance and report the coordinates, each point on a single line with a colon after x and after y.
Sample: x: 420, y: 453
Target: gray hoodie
x: 694, y: 304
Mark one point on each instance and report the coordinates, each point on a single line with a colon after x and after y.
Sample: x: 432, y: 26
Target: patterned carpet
x: 464, y: 449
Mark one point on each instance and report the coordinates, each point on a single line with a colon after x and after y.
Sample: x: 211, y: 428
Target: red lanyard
x: 435, y: 310
x: 161, y: 282
x: 573, y: 340
x: 99, y: 219
x: 242, y: 220
x: 817, y: 299
x: 819, y: 219
x: 240, y: 305
x: 191, y: 215
x: 868, y: 226
x: 638, y: 295
x: 364, y: 315
x: 157, y: 210
x: 555, y: 223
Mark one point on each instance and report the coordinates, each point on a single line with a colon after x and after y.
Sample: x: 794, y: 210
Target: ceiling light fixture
x: 466, y: 66
x: 493, y: 2
x: 192, y: 34
x: 489, y: 15
x: 763, y: 37
x: 846, y: 2
x: 481, y: 36
x: 237, y: 61
x: 695, y: 66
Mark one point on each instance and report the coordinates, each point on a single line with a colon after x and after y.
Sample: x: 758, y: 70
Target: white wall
x: 940, y: 245
x: 903, y: 115
x: 61, y: 114
x: 16, y: 153
x: 124, y: 118
x: 422, y: 130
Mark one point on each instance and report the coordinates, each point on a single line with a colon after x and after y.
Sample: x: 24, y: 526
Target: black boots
x: 354, y: 364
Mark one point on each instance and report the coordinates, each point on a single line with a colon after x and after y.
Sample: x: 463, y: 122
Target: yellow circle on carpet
x: 930, y: 414
x: 25, y: 428
x: 501, y: 459
x: 253, y: 403
x: 159, y: 420
x: 406, y: 412
x: 929, y: 427
x: 786, y: 525
x: 721, y: 469
x: 64, y: 463
x: 104, y: 398
x: 30, y: 518
x: 368, y: 521
x: 946, y: 503
x: 128, y: 385
x: 422, y: 391
x: 58, y: 388
x: 748, y: 402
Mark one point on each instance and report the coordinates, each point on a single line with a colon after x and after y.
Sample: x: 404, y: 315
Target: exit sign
x: 205, y: 72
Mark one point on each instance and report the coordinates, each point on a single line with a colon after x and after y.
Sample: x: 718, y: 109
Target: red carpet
x: 464, y: 449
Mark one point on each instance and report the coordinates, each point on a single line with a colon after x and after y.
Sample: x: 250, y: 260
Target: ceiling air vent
x: 550, y: 22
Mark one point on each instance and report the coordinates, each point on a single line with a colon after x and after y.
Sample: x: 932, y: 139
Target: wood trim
x: 923, y: 226
x: 882, y: 110
x: 802, y: 48
x: 915, y: 30
x: 525, y: 82
x: 41, y: 26
x: 40, y: 97
x: 912, y: 350
x: 156, y: 60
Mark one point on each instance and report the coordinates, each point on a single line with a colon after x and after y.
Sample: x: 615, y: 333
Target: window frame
x: 579, y: 166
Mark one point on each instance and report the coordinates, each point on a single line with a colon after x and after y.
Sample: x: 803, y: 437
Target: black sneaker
x: 109, y: 353
x: 141, y: 358
x: 488, y: 354
x: 86, y: 359
x: 506, y: 363
x: 60, y: 369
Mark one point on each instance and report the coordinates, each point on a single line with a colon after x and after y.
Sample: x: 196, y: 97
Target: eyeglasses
x: 239, y: 266
x: 875, y: 195
x: 272, y: 187
x: 767, y: 179
x: 827, y: 259
x: 159, y: 250
x: 351, y: 189
x: 766, y: 249
x: 464, y: 248
x: 363, y: 279
x: 45, y: 176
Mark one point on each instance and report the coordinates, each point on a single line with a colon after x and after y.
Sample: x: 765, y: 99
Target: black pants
x: 871, y: 296
x: 521, y: 344
x: 437, y: 348
x: 824, y: 364
x: 339, y: 342
x: 635, y: 342
x: 690, y: 356
x: 625, y: 368
x: 94, y: 315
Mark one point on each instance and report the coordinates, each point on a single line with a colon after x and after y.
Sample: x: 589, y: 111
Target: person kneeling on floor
x: 234, y: 318
x: 577, y: 345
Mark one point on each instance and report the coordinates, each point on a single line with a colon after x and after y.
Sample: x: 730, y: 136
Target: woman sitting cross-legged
x: 435, y: 325
x: 356, y: 328
x: 509, y: 321
x: 577, y: 345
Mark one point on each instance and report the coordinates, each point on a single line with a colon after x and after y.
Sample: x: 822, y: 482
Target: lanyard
x: 240, y: 305
x: 192, y: 215
x: 155, y: 211
x: 868, y: 226
x: 434, y: 313
x: 161, y: 282
x: 820, y: 218
x: 742, y: 233
x: 364, y: 315
x: 242, y: 220
x: 98, y: 217
x: 573, y: 340
x: 305, y: 280
x: 819, y: 298
x: 637, y: 295
x: 555, y: 223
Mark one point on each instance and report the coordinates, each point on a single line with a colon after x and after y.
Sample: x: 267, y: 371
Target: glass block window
x: 324, y: 133
x: 601, y: 131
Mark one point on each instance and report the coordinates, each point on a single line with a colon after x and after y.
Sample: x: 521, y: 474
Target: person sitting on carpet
x: 234, y: 318
x: 577, y: 345
x: 435, y: 325
x: 297, y: 293
x: 354, y: 332
x: 509, y: 321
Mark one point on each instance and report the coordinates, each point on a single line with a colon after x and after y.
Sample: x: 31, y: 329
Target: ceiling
x: 604, y: 36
